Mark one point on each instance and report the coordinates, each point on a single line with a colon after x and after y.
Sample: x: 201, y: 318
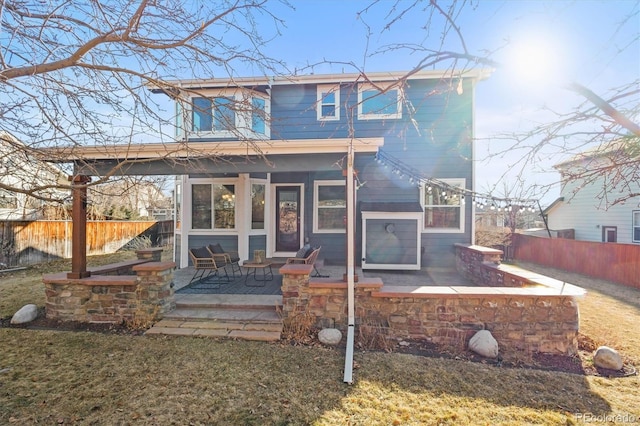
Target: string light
x: 448, y: 191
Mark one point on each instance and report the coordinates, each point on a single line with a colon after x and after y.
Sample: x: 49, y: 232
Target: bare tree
x: 507, y: 208
x: 76, y: 73
x: 602, y: 125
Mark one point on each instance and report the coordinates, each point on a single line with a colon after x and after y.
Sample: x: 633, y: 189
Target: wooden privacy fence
x: 24, y: 242
x: 614, y: 262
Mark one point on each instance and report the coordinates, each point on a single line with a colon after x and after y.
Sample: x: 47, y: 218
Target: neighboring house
x: 129, y: 199
x: 524, y: 217
x: 20, y: 175
x: 277, y: 152
x: 594, y: 203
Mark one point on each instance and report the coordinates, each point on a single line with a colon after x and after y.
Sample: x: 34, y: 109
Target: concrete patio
x: 427, y: 276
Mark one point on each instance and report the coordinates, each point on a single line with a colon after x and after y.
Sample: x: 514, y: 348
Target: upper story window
x: 444, y: 206
x: 231, y: 114
x: 328, y: 102
x: 213, y: 115
x: 179, y: 120
x: 259, y: 116
x: 379, y: 102
x: 330, y: 201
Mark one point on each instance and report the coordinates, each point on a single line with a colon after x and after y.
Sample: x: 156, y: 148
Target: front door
x: 287, y: 218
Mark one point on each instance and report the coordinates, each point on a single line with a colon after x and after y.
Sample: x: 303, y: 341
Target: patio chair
x: 224, y: 258
x: 205, y: 266
x: 309, y: 259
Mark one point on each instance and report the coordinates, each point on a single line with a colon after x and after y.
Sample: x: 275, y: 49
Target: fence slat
x: 608, y: 261
x: 25, y: 242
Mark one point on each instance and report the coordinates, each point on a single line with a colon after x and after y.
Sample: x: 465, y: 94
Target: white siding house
x: 594, y: 199
x: 20, y: 175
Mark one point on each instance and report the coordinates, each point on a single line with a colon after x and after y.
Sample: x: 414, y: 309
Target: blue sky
x: 581, y: 41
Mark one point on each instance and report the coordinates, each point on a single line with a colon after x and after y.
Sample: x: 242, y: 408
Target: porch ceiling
x: 210, y: 157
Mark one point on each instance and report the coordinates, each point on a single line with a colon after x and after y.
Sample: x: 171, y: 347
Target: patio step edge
x: 226, y: 315
x: 254, y: 335
x: 228, y: 302
x: 250, y: 331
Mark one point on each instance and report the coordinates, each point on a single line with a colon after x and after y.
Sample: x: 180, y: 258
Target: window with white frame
x: 382, y: 101
x: 328, y: 102
x: 178, y: 205
x: 231, y: 113
x: 330, y: 201
x: 636, y: 226
x: 443, y: 205
x: 259, y: 116
x: 179, y: 119
x: 213, y: 206
x: 258, y: 193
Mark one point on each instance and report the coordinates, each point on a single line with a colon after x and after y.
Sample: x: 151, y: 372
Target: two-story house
x: 266, y: 160
x: 595, y: 202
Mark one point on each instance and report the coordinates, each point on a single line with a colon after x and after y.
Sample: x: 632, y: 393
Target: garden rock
x: 606, y: 357
x: 483, y: 343
x: 25, y: 314
x: 330, y: 336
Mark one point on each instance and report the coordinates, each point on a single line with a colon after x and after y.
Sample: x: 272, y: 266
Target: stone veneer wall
x: 532, y: 319
x: 140, y: 298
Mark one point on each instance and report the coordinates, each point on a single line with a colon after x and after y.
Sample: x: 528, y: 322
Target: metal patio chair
x: 310, y: 259
x: 224, y: 258
x: 206, y: 266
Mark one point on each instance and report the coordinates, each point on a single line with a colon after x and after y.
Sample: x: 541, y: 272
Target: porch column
x: 79, y: 228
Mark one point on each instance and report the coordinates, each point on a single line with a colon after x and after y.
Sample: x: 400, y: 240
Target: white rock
x: 25, y: 314
x: 606, y: 357
x: 330, y: 336
x: 483, y: 343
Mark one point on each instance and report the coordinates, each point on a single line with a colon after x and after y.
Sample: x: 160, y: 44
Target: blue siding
x: 177, y: 251
x: 439, y: 146
x: 257, y: 242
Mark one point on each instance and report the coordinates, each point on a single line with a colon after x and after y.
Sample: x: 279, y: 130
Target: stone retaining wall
x: 138, y: 299
x: 543, y: 319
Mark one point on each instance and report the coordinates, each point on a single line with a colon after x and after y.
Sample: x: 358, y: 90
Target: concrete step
x: 258, y: 323
x: 228, y: 301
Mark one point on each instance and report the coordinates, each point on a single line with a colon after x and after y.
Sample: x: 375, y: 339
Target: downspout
x: 351, y: 215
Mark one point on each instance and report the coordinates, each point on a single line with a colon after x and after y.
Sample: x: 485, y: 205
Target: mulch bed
x: 578, y: 364
x: 44, y: 323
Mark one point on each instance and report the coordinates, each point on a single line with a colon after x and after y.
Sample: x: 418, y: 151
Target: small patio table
x: 267, y: 275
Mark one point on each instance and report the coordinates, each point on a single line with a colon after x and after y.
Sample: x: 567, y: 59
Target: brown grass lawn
x: 64, y: 377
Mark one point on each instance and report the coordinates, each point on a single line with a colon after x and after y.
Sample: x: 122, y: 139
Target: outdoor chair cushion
x: 304, y: 251
x: 216, y: 248
x: 201, y: 253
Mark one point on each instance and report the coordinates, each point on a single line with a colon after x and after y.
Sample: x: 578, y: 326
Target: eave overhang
x: 196, y: 150
x: 335, y: 78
